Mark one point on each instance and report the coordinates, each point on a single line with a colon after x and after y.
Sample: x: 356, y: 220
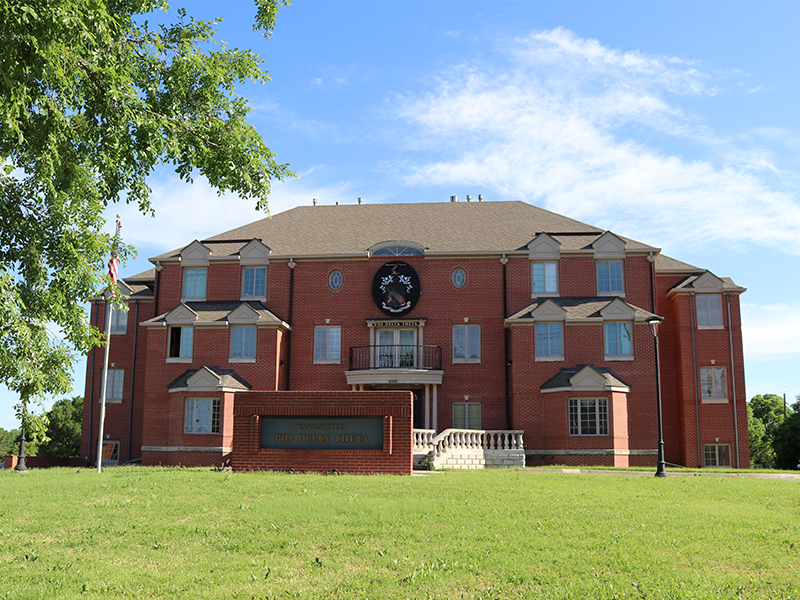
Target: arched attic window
x: 397, y: 248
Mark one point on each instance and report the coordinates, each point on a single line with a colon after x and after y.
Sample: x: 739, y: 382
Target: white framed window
x: 466, y: 415
x: 544, y: 276
x: 254, y: 282
x: 609, y: 277
x: 327, y: 344
x: 709, y: 310
x: 243, y: 342
x: 180, y: 342
x: 588, y: 416
x: 119, y: 319
x: 194, y: 283
x: 713, y: 385
x: 717, y: 455
x: 549, y: 341
x: 466, y: 343
x: 202, y: 415
x: 335, y: 280
x: 618, y: 341
x: 458, y: 278
x: 114, y: 385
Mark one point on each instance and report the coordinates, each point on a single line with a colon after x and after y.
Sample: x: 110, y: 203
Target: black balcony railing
x: 401, y: 356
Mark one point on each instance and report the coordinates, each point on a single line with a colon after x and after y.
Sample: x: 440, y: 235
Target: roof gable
x: 618, y: 310
x: 549, y: 311
x: 708, y: 283
x: 254, y: 253
x: 181, y: 315
x: 244, y: 313
x: 608, y: 246
x: 544, y: 247
x: 588, y: 379
x: 195, y: 255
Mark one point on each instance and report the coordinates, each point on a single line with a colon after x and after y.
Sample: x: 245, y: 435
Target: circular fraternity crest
x: 395, y: 288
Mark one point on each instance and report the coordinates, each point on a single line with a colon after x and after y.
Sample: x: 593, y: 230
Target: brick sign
x: 339, y: 433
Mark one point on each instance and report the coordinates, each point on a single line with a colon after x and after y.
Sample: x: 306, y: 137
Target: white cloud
x: 184, y: 212
x: 771, y: 331
x: 556, y: 128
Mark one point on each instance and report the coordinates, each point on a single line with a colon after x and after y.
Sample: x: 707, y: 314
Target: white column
x: 353, y: 387
x: 435, y: 408
x: 427, y: 407
x: 360, y: 387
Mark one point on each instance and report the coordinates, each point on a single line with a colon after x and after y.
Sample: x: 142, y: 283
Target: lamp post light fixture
x: 21, y: 466
x: 655, y: 324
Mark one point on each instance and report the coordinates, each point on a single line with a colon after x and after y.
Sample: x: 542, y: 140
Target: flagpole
x: 113, y: 265
x: 104, y: 385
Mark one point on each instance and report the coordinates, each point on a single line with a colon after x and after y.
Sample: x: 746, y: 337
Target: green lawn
x: 191, y: 533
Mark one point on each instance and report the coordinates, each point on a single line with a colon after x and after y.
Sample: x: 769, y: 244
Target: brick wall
x: 395, y: 407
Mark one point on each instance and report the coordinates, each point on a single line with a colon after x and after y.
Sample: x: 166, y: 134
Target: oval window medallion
x: 459, y: 278
x: 335, y: 280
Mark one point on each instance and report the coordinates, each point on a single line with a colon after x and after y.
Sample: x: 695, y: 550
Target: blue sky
x: 673, y: 123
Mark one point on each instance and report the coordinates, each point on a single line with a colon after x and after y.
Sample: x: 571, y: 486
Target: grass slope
x: 152, y: 533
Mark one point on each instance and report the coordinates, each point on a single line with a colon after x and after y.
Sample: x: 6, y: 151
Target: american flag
x: 113, y: 263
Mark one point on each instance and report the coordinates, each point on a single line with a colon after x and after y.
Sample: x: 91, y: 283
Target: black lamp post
x: 21, y: 466
x: 655, y: 324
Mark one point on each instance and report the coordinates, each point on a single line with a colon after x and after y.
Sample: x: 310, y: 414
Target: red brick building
x: 496, y: 315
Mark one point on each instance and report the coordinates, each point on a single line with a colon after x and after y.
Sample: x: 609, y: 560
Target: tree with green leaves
x: 786, y: 442
x: 92, y: 99
x: 9, y: 442
x: 64, y: 421
x: 767, y: 414
x: 760, y: 448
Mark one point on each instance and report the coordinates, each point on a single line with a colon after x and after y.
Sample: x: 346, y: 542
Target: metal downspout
x: 291, y: 266
x: 733, y: 381
x: 509, y: 417
x: 696, y: 385
x: 133, y: 378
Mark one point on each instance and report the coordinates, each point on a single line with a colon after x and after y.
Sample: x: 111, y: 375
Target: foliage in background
x: 9, y: 443
x: 65, y: 419
x: 135, y: 532
x: 787, y: 440
x: 764, y: 418
x: 92, y: 99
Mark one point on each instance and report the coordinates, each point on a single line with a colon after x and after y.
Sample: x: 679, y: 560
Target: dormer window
x: 609, y: 277
x: 254, y: 283
x: 194, y: 284
x: 545, y: 277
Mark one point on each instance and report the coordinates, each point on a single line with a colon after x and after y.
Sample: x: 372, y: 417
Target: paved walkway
x: 784, y: 476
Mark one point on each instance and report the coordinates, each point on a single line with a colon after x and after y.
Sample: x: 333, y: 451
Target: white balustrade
x: 501, y: 445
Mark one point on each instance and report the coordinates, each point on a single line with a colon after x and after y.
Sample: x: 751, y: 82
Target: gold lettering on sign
x: 344, y: 438
x: 336, y: 426
x: 313, y: 438
x: 283, y: 437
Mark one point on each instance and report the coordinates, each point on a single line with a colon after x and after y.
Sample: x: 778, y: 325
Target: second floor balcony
x: 426, y: 358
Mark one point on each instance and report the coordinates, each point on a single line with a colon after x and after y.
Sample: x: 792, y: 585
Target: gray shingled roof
x: 667, y: 263
x: 441, y: 227
x: 228, y: 378
x: 578, y: 308
x: 561, y: 379
x: 149, y: 275
x: 217, y: 312
x: 688, y: 284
